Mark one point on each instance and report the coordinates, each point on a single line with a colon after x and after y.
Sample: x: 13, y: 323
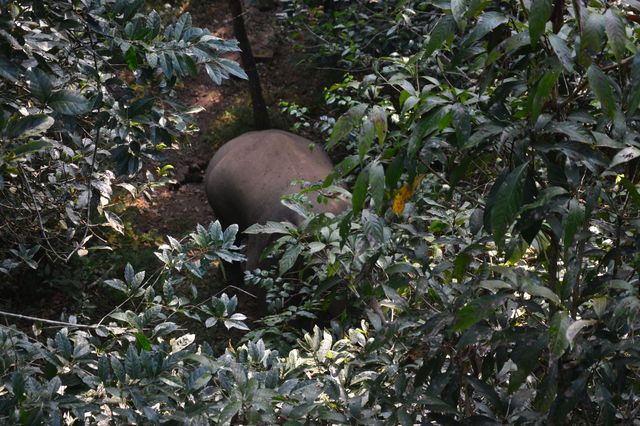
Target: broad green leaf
x: 574, y: 329
x: 461, y: 123
x: 575, y: 131
x: 444, y: 30
x: 616, y: 32
x: 558, y: 342
x: 394, y: 171
x: 289, y: 258
x: 495, y: 285
x: 231, y: 408
x: 182, y: 24
x: 625, y: 155
x: 475, y: 311
x: 68, y: 102
x: 270, y: 228
x: 29, y: 126
x: 542, y: 291
x: 131, y: 58
x: 359, y: 194
x: 460, y: 265
x: 484, y: 132
x: 458, y: 10
x: 31, y: 147
x: 376, y: 185
x: 542, y: 93
x: 341, y: 129
x: 214, y: 73
x: 507, y: 204
x: 539, y: 14
x: 603, y: 89
x: 591, y: 37
x: 572, y: 222
x: 378, y: 117
x: 232, y: 67
x: 487, y: 22
x: 508, y: 46
x: 114, y: 221
x: 365, y: 138
x: 633, y: 89
x: 39, y: 84
x: 545, y: 196
x: 525, y: 355
x: 631, y: 189
x: 9, y: 70
x: 568, y: 398
x: 562, y: 51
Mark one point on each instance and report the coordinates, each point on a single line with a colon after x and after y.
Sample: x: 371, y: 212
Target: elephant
x: 247, y: 177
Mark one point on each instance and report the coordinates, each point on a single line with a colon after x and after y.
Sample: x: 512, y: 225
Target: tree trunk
x: 260, y: 114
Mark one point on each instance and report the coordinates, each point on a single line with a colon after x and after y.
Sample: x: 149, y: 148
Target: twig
x: 47, y: 321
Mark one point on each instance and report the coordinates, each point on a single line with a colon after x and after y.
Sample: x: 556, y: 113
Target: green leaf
x: 341, y: 130
x: 575, y: 328
x: 558, y: 342
x: 143, y: 342
x: 616, y: 32
x: 270, y: 228
x: 476, y: 311
x: 507, y: 204
x: 214, y: 72
x: 633, y: 89
x: 39, y: 84
x: 542, y: 291
x: 603, y: 89
x: 376, y: 185
x: 365, y: 138
x: 544, y: 197
x: 68, y: 103
x: 486, y: 23
x: 525, y: 355
x: 460, y: 265
x: 131, y: 58
x: 394, y: 171
x: 542, y: 93
x: 9, y: 70
x: 183, y: 24
x: 575, y: 131
x: 378, y: 117
x: 591, y: 37
x: 29, y: 126
x: 444, y: 30
x: 359, y: 194
x: 461, y: 123
x: 539, y: 14
x: 562, y: 51
x: 567, y: 400
x: 572, y: 222
x: 459, y: 10
x: 624, y: 156
x: 31, y: 147
x: 289, y: 258
x: 232, y: 67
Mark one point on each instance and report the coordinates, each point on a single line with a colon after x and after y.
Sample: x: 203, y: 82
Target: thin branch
x: 46, y: 321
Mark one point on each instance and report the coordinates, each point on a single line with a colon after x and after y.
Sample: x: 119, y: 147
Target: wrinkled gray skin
x: 247, y: 177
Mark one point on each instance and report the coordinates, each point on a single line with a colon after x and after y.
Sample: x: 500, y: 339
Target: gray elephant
x: 247, y: 177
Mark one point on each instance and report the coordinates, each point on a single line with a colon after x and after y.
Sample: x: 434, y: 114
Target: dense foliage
x: 492, y: 246
x: 85, y: 95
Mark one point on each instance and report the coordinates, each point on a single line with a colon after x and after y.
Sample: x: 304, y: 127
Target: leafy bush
x: 491, y: 248
x: 85, y: 94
